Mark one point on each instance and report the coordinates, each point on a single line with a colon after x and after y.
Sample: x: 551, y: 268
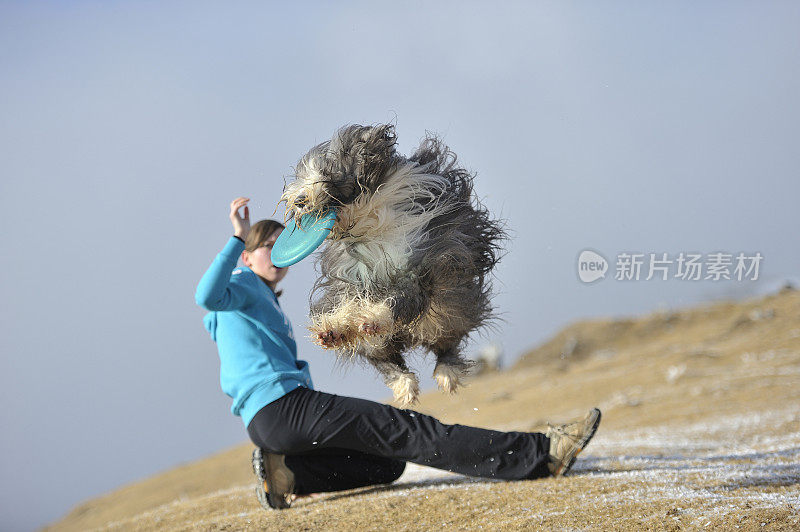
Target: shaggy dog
x: 407, y: 263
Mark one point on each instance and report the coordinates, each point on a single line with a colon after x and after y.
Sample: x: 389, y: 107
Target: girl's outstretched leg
x: 305, y: 420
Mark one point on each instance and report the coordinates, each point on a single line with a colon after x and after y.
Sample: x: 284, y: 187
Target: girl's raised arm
x: 215, y: 292
x: 241, y: 225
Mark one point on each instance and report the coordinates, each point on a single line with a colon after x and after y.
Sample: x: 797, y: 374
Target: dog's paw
x: 370, y: 328
x: 328, y: 338
x: 375, y: 320
x: 447, y: 377
x: 406, y: 389
x: 372, y: 332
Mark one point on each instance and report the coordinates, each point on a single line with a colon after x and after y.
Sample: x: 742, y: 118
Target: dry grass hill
x: 701, y: 430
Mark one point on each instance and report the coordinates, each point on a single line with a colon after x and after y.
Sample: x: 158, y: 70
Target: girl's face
x: 260, y: 262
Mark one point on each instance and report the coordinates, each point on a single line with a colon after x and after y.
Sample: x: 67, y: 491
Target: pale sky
x: 127, y: 128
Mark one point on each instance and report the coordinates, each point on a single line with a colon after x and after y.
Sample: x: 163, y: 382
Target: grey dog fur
x: 449, y: 269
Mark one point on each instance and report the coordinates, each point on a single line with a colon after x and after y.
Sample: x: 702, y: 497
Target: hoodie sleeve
x: 215, y: 292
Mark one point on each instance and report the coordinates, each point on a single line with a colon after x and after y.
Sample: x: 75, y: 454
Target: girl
x: 309, y: 441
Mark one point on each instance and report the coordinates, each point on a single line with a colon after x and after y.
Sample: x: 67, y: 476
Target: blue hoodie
x: 257, y: 351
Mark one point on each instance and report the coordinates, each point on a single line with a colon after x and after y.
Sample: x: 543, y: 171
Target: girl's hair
x: 258, y: 235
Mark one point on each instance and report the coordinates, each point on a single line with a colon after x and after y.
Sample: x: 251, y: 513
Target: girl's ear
x: 246, y: 258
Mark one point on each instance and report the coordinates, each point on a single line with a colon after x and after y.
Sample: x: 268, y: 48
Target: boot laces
x: 563, y: 431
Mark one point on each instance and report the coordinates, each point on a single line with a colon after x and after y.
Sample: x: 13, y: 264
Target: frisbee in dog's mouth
x: 298, y: 241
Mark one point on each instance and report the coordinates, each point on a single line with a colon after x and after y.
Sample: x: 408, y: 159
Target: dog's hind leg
x: 403, y: 382
x: 451, y: 367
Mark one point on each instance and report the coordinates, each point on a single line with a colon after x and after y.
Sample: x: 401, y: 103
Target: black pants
x: 334, y: 443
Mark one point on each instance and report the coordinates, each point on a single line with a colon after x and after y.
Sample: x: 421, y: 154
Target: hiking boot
x: 566, y: 441
x: 274, y: 481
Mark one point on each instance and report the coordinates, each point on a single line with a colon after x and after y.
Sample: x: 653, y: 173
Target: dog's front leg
x: 352, y: 321
x: 374, y: 322
x: 332, y: 323
x: 377, y: 320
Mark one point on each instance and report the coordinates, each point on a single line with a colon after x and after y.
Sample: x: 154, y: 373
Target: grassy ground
x: 701, y: 430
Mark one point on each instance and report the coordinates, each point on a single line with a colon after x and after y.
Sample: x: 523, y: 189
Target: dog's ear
x: 379, y: 154
x: 370, y: 152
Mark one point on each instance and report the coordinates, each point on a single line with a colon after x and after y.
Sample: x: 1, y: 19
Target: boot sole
x: 264, y: 470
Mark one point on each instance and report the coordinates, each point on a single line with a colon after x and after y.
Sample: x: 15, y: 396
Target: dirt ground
x: 701, y: 430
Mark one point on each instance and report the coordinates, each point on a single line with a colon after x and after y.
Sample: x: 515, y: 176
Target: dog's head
x: 354, y: 162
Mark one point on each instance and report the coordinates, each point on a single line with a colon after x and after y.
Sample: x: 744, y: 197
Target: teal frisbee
x: 296, y: 243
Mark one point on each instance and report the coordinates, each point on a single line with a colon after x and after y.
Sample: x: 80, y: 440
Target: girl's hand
x: 241, y: 226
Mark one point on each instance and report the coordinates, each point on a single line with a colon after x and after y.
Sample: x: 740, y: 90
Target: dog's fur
x: 407, y: 263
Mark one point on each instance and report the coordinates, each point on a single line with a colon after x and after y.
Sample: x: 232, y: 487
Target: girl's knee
x: 287, y: 442
x: 393, y: 471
